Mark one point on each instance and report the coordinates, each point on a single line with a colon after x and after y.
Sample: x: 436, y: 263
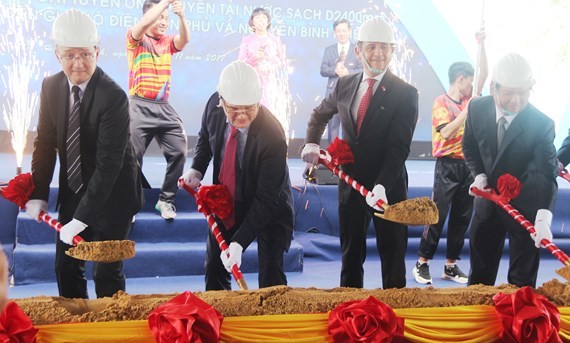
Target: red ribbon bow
x: 215, y: 199
x: 19, y: 189
x: 368, y: 320
x: 527, y: 317
x: 340, y: 152
x: 185, y: 318
x: 16, y: 326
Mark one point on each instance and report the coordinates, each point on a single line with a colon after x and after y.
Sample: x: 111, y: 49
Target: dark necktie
x: 227, y: 174
x: 501, y: 129
x: 74, y: 177
x: 363, y: 107
x: 342, y: 55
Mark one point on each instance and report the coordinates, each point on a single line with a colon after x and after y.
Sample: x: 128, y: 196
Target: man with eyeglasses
x: 149, y: 53
x: 84, y: 120
x: 505, y: 134
x: 378, y: 112
x: 249, y: 151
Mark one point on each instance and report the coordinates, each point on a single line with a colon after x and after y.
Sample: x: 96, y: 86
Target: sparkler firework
x: 18, y: 42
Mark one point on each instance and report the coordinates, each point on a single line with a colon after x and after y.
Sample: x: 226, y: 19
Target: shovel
x: 236, y: 272
x: 417, y: 211
x: 18, y: 191
x: 559, y: 254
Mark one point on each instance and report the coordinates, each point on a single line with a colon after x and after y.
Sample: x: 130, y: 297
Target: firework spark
x: 18, y: 41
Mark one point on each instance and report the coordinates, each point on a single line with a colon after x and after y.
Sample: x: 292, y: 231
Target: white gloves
x: 480, y: 183
x: 234, y: 250
x: 70, y: 230
x: 310, y: 153
x: 378, y: 193
x: 542, y: 227
x: 192, y: 178
x: 34, y: 207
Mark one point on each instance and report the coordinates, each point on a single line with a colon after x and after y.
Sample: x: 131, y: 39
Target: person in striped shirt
x: 452, y: 177
x: 150, y: 51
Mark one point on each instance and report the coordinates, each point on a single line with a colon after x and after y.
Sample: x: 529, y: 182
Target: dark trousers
x: 70, y: 272
x: 270, y: 258
x: 450, y: 191
x: 391, y: 242
x: 486, y: 242
x: 152, y: 119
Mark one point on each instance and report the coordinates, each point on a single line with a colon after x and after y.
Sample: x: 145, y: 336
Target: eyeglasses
x: 71, y: 57
x: 242, y: 109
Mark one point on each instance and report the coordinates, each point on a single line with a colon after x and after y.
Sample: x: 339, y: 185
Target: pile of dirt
x: 271, y: 300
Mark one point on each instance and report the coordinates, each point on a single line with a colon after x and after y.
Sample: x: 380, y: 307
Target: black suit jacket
x: 381, y: 148
x: 564, y: 151
x: 331, y: 58
x: 267, y: 202
x: 527, y: 153
x: 111, y: 176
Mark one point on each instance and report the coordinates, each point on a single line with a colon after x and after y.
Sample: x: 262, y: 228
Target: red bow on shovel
x: 564, y: 174
x: 502, y: 200
x: 18, y: 191
x: 209, y: 213
x: 418, y: 211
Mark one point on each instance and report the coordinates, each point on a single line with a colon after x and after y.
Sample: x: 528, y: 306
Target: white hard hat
x: 513, y: 71
x: 376, y: 30
x: 239, y: 84
x: 74, y: 29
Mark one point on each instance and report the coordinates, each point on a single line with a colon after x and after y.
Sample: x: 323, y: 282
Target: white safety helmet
x: 239, y: 84
x: 74, y: 29
x: 513, y: 71
x: 376, y: 30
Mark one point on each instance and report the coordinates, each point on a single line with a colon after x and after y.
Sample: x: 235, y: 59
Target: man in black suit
x: 84, y: 120
x: 504, y: 133
x: 258, y: 180
x: 379, y: 135
x: 339, y: 60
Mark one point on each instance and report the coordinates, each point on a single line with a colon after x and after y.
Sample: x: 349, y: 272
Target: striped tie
x: 74, y: 178
x: 501, y: 129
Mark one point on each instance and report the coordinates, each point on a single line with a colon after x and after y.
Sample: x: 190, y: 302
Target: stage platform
x: 170, y: 254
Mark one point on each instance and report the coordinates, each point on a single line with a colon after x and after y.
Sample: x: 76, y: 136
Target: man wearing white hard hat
x: 505, y: 134
x: 84, y: 120
x: 378, y: 113
x: 255, y: 172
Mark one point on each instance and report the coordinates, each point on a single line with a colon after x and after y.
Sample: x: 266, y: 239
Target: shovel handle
x: 236, y: 272
x: 46, y: 218
x: 324, y: 159
x: 525, y: 223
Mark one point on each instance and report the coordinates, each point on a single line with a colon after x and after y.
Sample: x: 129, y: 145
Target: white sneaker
x: 166, y: 209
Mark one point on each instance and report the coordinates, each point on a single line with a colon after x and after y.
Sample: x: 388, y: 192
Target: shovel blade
x: 103, y: 251
x: 416, y: 211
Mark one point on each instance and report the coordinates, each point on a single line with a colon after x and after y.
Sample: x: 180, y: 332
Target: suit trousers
x: 486, y: 242
x: 391, y: 242
x: 158, y: 120
x: 270, y: 259
x: 450, y: 190
x: 70, y: 272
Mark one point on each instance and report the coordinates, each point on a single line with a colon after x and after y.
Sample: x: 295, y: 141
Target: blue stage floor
x: 316, y: 273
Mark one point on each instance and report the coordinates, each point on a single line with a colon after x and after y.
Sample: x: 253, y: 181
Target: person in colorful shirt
x: 452, y: 176
x: 150, y: 53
